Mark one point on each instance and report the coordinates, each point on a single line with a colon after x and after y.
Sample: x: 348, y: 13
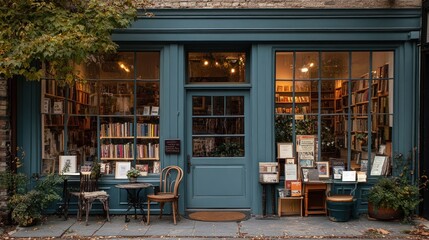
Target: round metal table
x: 133, y: 198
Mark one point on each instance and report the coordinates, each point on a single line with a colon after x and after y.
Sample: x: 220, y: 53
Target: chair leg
x: 88, y: 209
x: 79, y: 209
x: 161, y: 207
x: 106, y: 208
x: 148, y: 212
x: 174, y: 211
x: 177, y: 210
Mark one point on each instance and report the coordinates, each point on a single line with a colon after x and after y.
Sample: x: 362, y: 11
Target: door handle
x: 188, y: 163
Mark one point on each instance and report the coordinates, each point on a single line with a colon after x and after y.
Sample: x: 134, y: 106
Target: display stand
x: 269, y: 178
x: 264, y: 200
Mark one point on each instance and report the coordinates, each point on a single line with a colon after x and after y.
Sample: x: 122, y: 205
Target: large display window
x: 343, y: 99
x: 111, y: 115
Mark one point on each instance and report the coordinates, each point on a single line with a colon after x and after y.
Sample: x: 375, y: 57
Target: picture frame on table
x: 337, y: 172
x: 285, y: 150
x: 143, y: 168
x: 67, y: 164
x: 349, y: 176
x: 121, y: 169
x: 323, y: 169
x: 304, y: 174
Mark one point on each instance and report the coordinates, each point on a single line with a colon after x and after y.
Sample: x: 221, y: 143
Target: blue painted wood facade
x: 264, y: 32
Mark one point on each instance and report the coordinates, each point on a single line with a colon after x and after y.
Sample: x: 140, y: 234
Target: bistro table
x: 133, y: 198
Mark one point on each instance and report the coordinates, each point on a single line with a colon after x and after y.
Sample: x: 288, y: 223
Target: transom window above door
x: 216, y: 67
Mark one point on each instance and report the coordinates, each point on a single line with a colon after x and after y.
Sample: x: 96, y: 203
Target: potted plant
x: 394, y: 197
x: 132, y: 174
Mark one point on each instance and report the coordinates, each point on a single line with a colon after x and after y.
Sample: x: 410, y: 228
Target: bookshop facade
x: 216, y: 92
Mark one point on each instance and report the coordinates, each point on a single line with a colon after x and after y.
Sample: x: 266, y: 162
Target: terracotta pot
x: 133, y: 179
x: 383, y: 213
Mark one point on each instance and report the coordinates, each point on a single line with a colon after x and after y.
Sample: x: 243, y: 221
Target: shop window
x: 112, y: 115
x: 342, y: 99
x: 216, y: 67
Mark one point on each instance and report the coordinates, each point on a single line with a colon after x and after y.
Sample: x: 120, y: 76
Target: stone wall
x: 286, y: 4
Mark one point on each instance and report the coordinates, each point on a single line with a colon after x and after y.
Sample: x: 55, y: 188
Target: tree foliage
x: 58, y: 34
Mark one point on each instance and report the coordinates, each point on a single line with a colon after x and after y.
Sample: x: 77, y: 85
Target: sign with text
x: 172, y: 146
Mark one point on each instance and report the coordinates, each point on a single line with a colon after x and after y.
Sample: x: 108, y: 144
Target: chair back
x: 88, y: 183
x: 170, y: 179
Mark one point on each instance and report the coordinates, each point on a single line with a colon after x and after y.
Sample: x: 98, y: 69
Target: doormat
x: 218, y: 216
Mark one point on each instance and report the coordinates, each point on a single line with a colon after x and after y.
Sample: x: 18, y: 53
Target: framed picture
x: 48, y: 166
x: 285, y: 150
x: 121, y: 169
x: 337, y: 171
x: 46, y: 105
x: 67, y: 164
x: 105, y: 168
x: 58, y: 107
x: 155, y: 111
x: 146, y: 110
x: 305, y: 173
x: 306, y: 163
x: 323, y: 169
x: 364, y: 165
x: 378, y: 167
x: 156, y: 167
x: 349, y: 176
x: 143, y: 168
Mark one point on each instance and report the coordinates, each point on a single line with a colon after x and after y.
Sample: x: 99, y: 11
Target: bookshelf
x: 112, y: 116
x: 369, y: 98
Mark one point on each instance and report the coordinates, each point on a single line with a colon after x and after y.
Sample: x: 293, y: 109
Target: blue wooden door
x: 217, y: 150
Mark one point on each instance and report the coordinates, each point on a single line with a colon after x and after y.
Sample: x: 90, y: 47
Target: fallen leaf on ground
x: 378, y: 231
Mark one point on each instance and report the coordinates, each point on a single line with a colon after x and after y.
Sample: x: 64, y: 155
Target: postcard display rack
x: 127, y: 123
x: 290, y: 199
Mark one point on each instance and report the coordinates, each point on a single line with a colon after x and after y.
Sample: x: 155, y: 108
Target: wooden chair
x: 169, y: 182
x: 88, y: 194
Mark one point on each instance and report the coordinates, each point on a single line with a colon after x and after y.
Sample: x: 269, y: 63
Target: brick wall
x: 4, y: 143
x: 286, y: 3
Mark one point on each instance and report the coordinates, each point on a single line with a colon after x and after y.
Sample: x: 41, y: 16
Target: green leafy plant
x: 26, y: 205
x: 133, y: 173
x: 397, y: 192
x: 57, y: 34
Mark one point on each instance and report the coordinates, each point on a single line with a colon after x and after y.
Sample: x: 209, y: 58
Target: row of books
x: 301, y: 109
x: 149, y: 150
x: 127, y: 129
x: 287, y: 99
x: 117, y: 150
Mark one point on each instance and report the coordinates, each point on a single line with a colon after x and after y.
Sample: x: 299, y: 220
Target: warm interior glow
x: 206, y: 63
x: 304, y: 69
x: 121, y: 65
x: 232, y: 70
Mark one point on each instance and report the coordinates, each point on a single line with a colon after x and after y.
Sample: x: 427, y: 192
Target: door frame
x: 247, y: 141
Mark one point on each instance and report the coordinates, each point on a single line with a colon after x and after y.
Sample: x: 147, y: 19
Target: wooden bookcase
x: 112, y: 115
